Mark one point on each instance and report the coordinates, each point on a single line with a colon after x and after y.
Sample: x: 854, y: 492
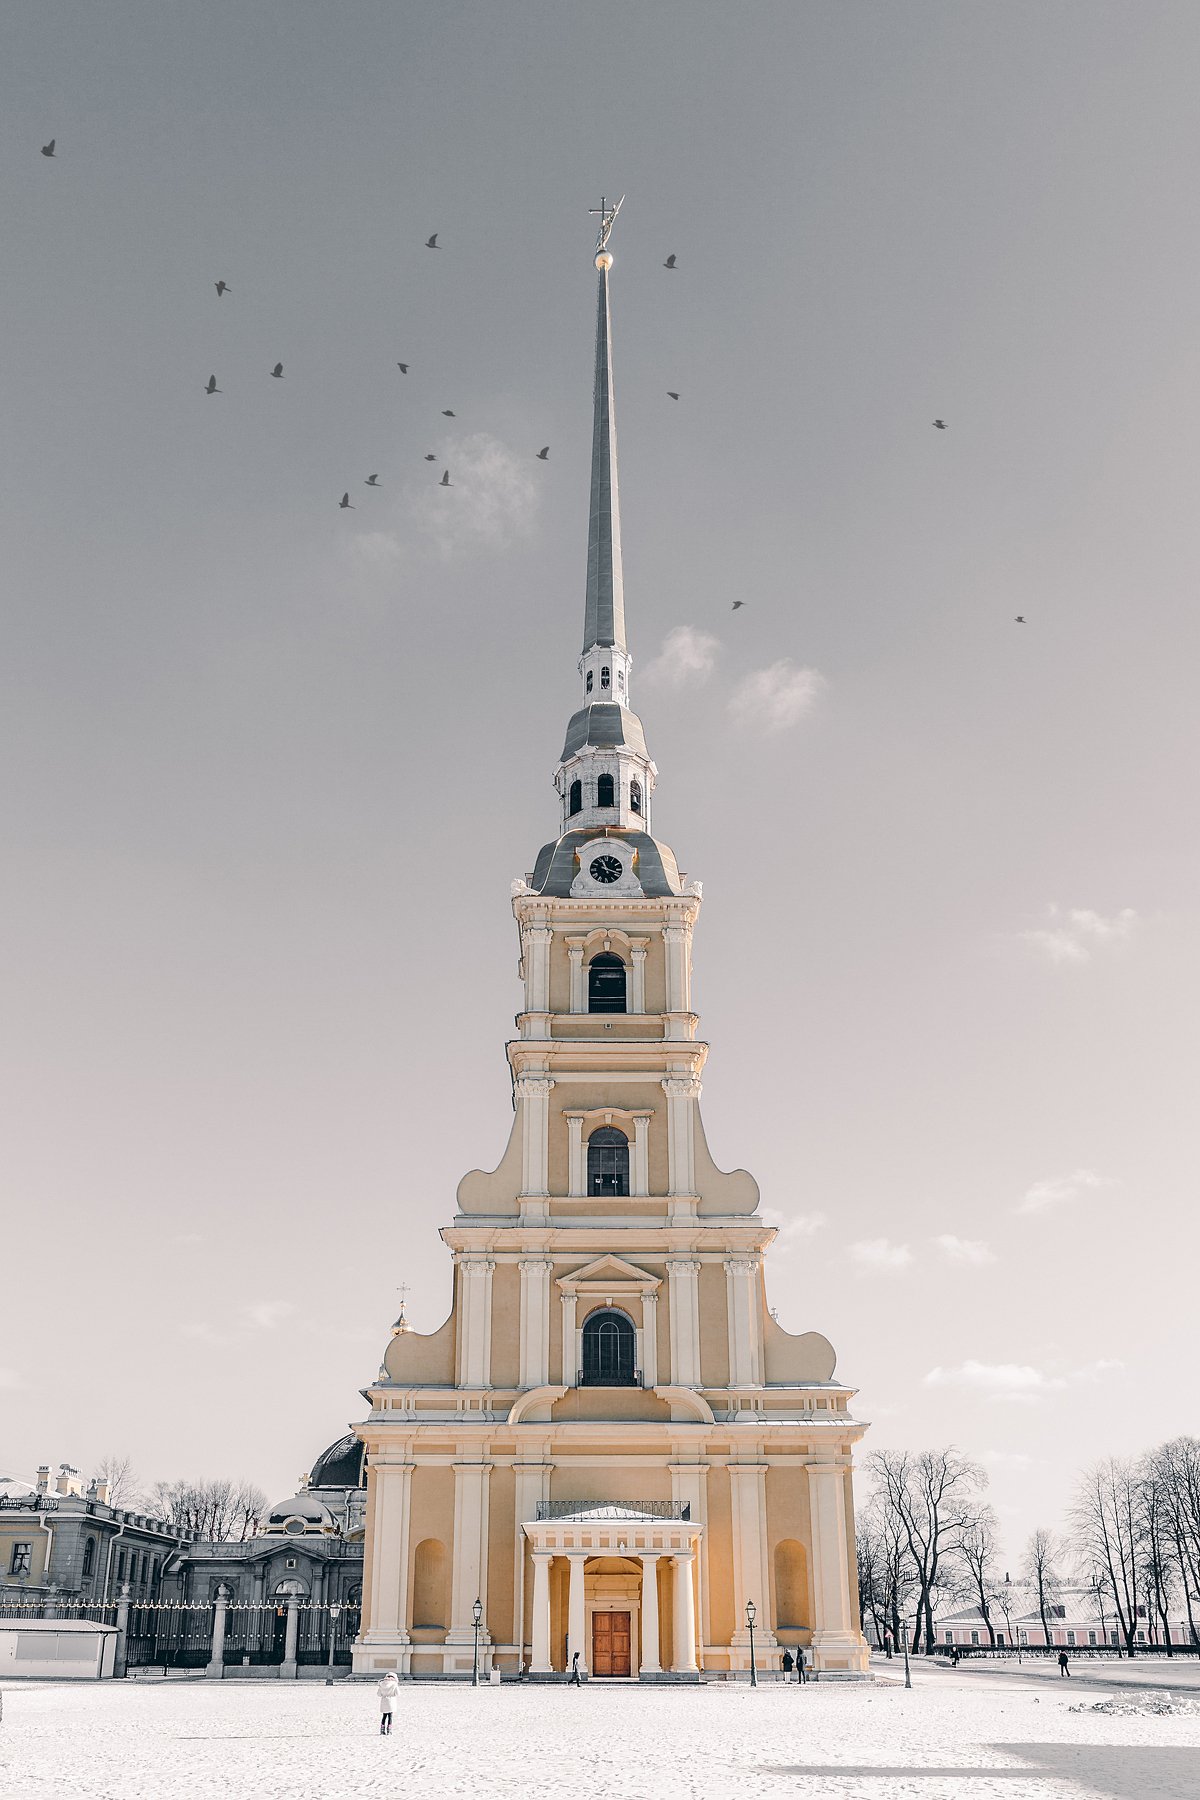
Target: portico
x: 621, y: 1564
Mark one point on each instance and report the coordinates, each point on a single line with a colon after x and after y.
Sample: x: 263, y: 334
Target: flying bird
x: 1020, y: 619
x: 371, y: 481
x: 430, y: 457
x: 222, y: 287
x: 48, y: 149
x: 670, y: 262
x: 212, y: 387
x: 403, y: 368
x: 447, y: 414
x: 671, y: 396
x: 445, y: 481
x: 738, y: 603
x: 431, y: 243
x: 277, y: 371
x: 543, y: 453
x: 939, y: 424
x: 344, y: 503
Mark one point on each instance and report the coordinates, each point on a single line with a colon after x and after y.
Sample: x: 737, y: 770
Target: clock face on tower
x: 605, y: 869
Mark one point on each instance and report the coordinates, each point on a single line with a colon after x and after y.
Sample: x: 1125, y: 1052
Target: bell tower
x: 611, y: 1443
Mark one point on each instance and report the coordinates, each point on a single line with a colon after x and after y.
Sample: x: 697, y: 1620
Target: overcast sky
x: 271, y: 766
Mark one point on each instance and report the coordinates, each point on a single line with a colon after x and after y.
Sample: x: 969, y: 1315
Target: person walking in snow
x: 1063, y: 1665
x: 788, y: 1665
x: 801, y: 1665
x: 575, y: 1681
x: 387, y: 1690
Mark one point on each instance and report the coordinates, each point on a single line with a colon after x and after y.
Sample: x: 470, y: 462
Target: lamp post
x: 751, y: 1615
x: 907, y: 1670
x: 476, y: 1620
x: 335, y: 1613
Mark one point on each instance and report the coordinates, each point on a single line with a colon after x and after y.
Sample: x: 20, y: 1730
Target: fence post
x: 120, y: 1661
x: 287, y: 1671
x: 216, y: 1658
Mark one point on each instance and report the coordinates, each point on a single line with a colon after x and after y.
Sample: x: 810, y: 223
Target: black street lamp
x: 476, y: 1620
x: 751, y: 1615
x: 335, y: 1613
x: 907, y: 1670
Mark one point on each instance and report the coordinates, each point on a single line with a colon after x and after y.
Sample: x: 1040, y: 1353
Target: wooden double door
x: 612, y: 1644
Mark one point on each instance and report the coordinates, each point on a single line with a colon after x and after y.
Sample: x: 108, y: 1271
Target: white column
x: 537, y: 967
x: 570, y: 1368
x: 682, y: 1091
x: 637, y: 977
x: 747, y: 1489
x: 576, y: 1614
x: 291, y: 1638
x: 387, y: 1615
x: 469, y: 1579
x: 649, y: 1631
x: 639, y: 1161
x: 677, y: 939
x: 744, y: 1321
x: 475, y: 1316
x: 684, y: 1614
x: 575, y: 947
x: 533, y: 1093
x: 836, y: 1637
x: 531, y: 1480
x: 684, y: 1307
x: 539, y: 1663
x: 535, y: 1321
x: 650, y: 1340
x: 576, y: 1158
x: 216, y: 1656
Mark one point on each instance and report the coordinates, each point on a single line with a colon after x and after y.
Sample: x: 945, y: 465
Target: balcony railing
x: 619, y: 1378
x: 615, y: 1509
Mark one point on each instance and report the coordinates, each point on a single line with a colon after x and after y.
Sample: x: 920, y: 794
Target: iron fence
x: 178, y: 1634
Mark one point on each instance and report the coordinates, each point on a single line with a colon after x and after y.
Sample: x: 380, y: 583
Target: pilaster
x: 469, y: 1579
x: 535, y: 1321
x: 683, y: 1092
x: 744, y: 1321
x: 684, y: 1310
x: 533, y: 1094
x: 475, y: 1321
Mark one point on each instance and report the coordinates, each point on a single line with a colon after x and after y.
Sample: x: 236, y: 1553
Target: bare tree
x: 977, y: 1561
x: 1175, y: 1466
x: 1040, y: 1569
x: 886, y: 1576
x: 215, y: 1510
x: 124, y: 1488
x: 1158, y: 1569
x: 1012, y: 1602
x: 1107, y: 1516
x: 934, y: 1496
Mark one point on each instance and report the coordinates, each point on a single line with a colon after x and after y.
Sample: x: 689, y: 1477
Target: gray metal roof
x: 556, y: 868
x: 604, y: 608
x: 608, y: 726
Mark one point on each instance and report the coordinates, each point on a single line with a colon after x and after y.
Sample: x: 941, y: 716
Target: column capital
x: 682, y: 1556
x: 475, y: 1265
x: 683, y: 1265
x: 543, y: 1556
x: 743, y: 1265
x: 533, y: 1087
x: 534, y: 1264
x: 682, y: 1087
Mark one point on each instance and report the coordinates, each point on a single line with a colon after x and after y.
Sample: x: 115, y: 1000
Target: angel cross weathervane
x: 607, y: 215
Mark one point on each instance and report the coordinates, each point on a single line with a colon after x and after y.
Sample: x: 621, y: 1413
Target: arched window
x: 608, y: 1161
x: 429, y: 1585
x: 606, y: 984
x: 609, y: 1350
x: 590, y: 679
x: 605, y: 677
x: 89, y: 1557
x: 605, y: 791
x: 635, y: 796
x: 575, y: 797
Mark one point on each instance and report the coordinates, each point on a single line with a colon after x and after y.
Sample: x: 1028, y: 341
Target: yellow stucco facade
x: 610, y: 1443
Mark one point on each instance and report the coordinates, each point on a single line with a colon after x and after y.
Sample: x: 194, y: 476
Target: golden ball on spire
x: 604, y: 260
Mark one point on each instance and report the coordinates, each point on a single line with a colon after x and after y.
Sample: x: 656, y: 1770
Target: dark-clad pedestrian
x: 575, y: 1677
x: 801, y: 1665
x: 1064, y: 1665
x: 788, y: 1665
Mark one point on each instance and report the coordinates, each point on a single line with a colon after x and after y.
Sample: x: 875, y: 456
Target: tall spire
x: 604, y: 608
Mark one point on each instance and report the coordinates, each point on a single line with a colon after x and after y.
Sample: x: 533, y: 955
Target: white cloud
x: 777, y: 697
x: 791, y: 1227
x: 266, y: 1314
x: 1058, y: 1189
x: 492, y: 502
x: 964, y: 1250
x: 880, y: 1253
x: 1016, y: 1381
x: 1073, y: 935
x: 687, y: 658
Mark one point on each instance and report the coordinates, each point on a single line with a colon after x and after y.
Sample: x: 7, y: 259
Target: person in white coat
x: 388, y: 1689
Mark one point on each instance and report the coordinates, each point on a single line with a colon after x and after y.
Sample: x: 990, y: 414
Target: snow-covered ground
x: 943, y: 1740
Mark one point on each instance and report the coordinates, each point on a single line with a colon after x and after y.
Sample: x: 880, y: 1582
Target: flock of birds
x: 372, y: 481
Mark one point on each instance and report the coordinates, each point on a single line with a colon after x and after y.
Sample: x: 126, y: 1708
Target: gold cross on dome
x: 607, y: 216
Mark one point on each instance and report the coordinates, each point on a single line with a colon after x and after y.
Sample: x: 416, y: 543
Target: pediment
x: 612, y: 1274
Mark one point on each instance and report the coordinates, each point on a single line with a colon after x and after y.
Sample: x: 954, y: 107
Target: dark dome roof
x: 341, y: 1466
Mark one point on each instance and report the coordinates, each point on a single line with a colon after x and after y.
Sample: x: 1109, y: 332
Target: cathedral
x: 611, y: 1457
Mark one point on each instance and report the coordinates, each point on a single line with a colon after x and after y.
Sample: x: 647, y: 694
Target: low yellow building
x: 610, y: 1445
